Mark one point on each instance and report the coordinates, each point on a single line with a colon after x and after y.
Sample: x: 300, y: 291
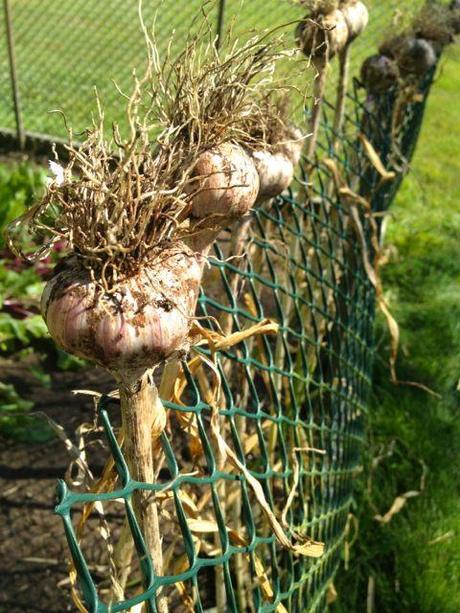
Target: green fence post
x: 13, y: 74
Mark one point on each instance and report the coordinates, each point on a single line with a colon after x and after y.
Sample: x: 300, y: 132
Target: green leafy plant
x: 15, y: 422
x: 22, y: 329
x: 19, y: 186
x: 17, y: 332
x: 20, y: 286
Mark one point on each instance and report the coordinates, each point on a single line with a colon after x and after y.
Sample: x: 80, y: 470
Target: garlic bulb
x: 356, y: 16
x: 144, y: 320
x: 276, y: 172
x: 326, y: 37
x: 226, y: 182
x: 378, y: 74
x: 292, y: 144
x: 391, y: 47
x: 276, y: 169
x: 416, y: 56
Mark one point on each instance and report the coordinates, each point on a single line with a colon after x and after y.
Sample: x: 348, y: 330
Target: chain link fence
x: 57, y: 52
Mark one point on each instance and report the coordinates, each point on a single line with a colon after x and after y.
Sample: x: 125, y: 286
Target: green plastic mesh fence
x: 291, y: 405
x: 63, y: 49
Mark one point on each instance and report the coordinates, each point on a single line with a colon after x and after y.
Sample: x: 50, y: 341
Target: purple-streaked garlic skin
x: 276, y: 172
x: 226, y: 183
x: 356, y: 17
x: 326, y: 39
x: 145, y: 320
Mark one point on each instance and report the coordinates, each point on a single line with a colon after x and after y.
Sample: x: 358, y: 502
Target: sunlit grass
x: 64, y: 49
x: 415, y: 559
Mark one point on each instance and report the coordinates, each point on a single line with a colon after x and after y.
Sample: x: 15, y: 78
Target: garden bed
x: 33, y: 551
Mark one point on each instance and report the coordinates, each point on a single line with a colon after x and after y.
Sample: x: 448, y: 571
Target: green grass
x: 415, y: 559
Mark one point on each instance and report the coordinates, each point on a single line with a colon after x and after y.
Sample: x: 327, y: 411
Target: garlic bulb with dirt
x: 379, y: 74
x: 224, y: 184
x: 276, y: 167
x: 142, y: 321
x: 125, y: 297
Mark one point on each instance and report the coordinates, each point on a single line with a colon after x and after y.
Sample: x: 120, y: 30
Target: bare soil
x: 33, y: 549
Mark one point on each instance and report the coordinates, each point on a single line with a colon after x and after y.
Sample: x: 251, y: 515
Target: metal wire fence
x: 57, y: 52
x: 291, y: 405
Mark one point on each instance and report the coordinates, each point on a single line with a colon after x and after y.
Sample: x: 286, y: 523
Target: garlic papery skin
x: 292, y: 145
x: 225, y: 183
x: 276, y: 172
x: 201, y: 237
x: 322, y: 39
x: 144, y: 319
x: 357, y: 18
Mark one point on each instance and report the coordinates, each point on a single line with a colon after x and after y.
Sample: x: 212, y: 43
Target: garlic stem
x: 141, y: 422
x: 318, y: 96
x: 344, y: 67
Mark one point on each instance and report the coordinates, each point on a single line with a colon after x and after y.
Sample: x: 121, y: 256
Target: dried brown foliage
x: 121, y: 198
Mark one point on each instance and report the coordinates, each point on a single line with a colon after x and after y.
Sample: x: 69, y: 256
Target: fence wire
x: 63, y: 49
x: 292, y: 404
